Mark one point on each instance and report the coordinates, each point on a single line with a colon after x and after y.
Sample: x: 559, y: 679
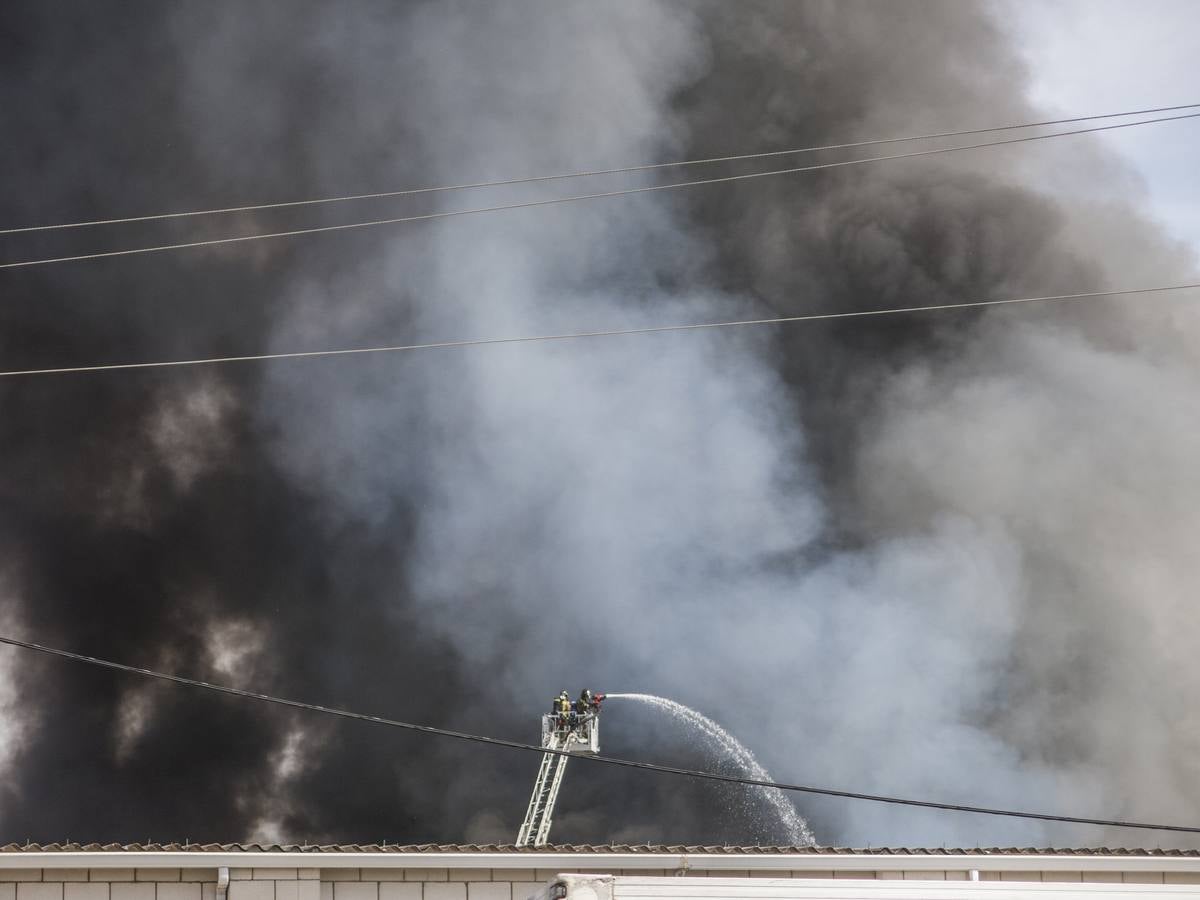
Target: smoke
x: 942, y: 556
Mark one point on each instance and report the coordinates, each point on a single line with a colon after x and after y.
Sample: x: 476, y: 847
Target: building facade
x: 473, y: 872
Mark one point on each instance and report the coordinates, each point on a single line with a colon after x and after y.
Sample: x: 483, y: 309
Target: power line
x: 596, y: 172
x: 607, y: 760
x: 575, y: 198
x: 529, y: 339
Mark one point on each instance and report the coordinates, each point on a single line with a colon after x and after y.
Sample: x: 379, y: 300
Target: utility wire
x: 529, y: 339
x: 596, y: 172
x: 607, y: 760
x: 572, y: 199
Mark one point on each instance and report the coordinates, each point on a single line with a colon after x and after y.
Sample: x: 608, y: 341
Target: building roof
x: 623, y: 849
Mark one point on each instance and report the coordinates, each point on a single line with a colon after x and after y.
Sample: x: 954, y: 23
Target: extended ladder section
x: 572, y: 728
x: 536, y: 827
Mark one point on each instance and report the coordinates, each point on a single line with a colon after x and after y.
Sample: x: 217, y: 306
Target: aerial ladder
x: 572, y: 728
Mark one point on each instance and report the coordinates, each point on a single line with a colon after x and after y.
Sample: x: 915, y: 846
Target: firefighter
x: 584, y: 704
x: 562, y: 706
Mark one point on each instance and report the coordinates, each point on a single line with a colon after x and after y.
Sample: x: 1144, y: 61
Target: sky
x: 946, y: 556
x: 1084, y: 54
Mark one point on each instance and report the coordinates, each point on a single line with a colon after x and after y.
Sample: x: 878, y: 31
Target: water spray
x: 723, y: 744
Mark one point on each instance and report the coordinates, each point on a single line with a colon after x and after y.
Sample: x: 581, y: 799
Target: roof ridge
x: 390, y: 848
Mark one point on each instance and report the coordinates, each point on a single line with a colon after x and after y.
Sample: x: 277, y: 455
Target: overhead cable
x: 606, y: 760
x: 379, y: 195
x: 425, y: 217
x: 576, y: 335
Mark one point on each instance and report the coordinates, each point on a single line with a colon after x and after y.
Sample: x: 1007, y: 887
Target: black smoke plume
x: 944, y: 556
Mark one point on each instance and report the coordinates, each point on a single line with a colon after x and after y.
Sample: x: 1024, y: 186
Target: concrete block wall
x: 400, y: 883
x: 272, y: 884
x: 432, y: 884
x: 157, y: 884
x: 520, y: 884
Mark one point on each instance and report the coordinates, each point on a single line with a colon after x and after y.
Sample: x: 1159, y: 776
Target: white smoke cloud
x: 1080, y: 455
